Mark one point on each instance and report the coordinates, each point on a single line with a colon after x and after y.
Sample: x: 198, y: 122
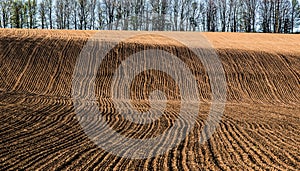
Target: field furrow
x: 40, y: 127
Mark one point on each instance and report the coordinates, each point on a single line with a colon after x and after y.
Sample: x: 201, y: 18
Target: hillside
x: 259, y: 129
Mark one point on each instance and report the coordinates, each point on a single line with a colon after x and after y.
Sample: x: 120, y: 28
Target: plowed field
x: 259, y: 129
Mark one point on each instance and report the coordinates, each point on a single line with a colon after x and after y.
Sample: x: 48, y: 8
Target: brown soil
x: 260, y: 128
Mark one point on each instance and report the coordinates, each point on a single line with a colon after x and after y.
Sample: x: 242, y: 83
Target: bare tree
x: 67, y: 14
x: 249, y: 14
x: 73, y: 14
x: 16, y: 14
x: 42, y: 14
x: 286, y: 21
x: 100, y: 16
x: 163, y: 14
x: 49, y: 7
x: 211, y: 15
x: 109, y: 8
x: 195, y: 12
x: 265, y: 15
x: 175, y: 14
x: 5, y: 11
x: 32, y: 11
x: 295, y: 12
x: 59, y: 12
x: 222, y: 6
x: 137, y: 14
x: 279, y: 16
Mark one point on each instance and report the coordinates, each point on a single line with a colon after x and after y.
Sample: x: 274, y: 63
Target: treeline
x: 278, y: 16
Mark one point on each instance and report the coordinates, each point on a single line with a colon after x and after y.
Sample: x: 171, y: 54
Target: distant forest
x: 268, y: 16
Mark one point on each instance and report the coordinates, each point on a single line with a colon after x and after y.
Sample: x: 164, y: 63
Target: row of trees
x: 278, y: 16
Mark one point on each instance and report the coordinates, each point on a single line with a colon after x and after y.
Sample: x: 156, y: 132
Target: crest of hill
x: 270, y: 43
